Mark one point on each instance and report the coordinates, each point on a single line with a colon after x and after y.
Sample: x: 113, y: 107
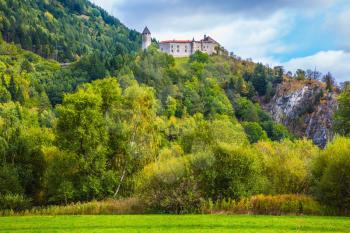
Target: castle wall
x: 209, y: 48
x: 197, y: 46
x: 177, y: 49
x: 183, y: 49
x: 165, y: 47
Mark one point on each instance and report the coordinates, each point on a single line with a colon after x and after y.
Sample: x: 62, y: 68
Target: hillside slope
x: 64, y: 30
x: 25, y: 76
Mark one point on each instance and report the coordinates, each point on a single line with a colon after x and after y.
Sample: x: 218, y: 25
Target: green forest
x: 65, y: 30
x: 179, y: 135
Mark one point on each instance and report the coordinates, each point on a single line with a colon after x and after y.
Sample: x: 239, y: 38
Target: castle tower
x: 193, y: 44
x: 146, y: 38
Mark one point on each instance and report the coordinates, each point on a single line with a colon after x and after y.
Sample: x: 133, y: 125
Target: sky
x: 306, y: 34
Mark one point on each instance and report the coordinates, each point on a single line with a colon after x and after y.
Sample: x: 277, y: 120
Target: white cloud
x: 337, y: 23
x: 334, y: 61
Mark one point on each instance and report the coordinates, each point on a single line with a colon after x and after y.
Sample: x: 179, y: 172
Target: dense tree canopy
x: 64, y: 29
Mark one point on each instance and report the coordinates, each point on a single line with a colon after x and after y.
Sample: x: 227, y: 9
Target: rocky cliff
x: 306, y: 108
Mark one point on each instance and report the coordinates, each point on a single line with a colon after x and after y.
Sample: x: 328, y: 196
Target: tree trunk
x: 120, y: 183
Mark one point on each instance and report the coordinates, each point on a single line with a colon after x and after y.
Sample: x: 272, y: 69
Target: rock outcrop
x: 305, y: 108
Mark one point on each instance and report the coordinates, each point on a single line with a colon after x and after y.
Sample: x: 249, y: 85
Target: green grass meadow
x: 174, y: 223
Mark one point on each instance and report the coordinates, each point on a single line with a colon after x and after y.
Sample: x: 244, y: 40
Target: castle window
x: 178, y: 46
x: 172, y: 50
x: 185, y: 50
x: 178, y: 51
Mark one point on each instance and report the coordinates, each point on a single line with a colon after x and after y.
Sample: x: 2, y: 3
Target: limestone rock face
x: 305, y: 108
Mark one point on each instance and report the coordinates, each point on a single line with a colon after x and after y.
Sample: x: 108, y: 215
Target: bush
x: 231, y: 171
x: 287, y: 165
x: 169, y: 187
x: 266, y: 205
x: 246, y: 110
x: 254, y: 132
x: 15, y: 202
x: 285, y: 204
x: 198, y: 56
x: 331, y: 175
x: 179, y: 184
x: 124, y: 206
x: 275, y: 131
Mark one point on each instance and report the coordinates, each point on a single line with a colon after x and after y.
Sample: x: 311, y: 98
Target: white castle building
x: 182, y: 48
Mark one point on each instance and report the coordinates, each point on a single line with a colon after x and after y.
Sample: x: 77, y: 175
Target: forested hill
x: 64, y: 30
x: 174, y: 132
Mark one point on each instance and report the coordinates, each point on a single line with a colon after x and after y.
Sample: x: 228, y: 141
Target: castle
x: 182, y: 48
x: 146, y: 38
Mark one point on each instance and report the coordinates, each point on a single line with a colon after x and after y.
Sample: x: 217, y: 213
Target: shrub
x: 266, y: 205
x: 232, y: 172
x: 254, y: 132
x: 169, y: 187
x: 275, y: 131
x: 287, y: 165
x: 246, y: 110
x: 224, y: 130
x: 124, y: 206
x: 284, y: 204
x: 198, y: 56
x: 331, y: 175
x: 15, y: 202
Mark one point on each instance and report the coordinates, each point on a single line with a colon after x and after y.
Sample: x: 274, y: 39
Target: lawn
x: 173, y: 223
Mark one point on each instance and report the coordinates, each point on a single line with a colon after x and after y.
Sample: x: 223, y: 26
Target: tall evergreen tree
x: 260, y: 79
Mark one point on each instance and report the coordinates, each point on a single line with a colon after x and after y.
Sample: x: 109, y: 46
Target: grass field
x: 174, y: 223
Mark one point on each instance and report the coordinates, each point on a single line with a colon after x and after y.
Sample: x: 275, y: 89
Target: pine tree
x: 329, y: 80
x: 13, y: 89
x: 259, y: 79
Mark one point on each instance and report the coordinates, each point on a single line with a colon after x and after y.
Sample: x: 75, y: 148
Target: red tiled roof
x: 176, y: 41
x: 206, y: 40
